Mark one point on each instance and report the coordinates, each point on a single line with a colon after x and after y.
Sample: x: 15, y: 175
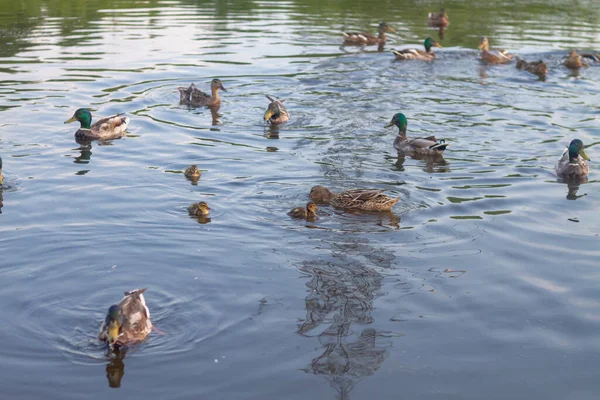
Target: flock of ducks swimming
x: 129, y: 321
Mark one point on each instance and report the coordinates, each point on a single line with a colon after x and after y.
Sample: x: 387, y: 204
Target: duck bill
x: 222, y: 87
x: 390, y: 29
x: 268, y: 115
x: 582, y: 154
x: 389, y: 124
x: 72, y: 119
x: 113, y: 332
x: 436, y: 44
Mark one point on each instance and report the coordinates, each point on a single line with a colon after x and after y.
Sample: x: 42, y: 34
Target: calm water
x: 482, y: 283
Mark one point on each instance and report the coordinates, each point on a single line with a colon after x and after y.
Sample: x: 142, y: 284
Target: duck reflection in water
x: 573, y: 184
x: 216, y: 117
x: 272, y: 131
x: 115, y: 369
x: 431, y: 163
x: 85, y: 151
x: 342, y: 293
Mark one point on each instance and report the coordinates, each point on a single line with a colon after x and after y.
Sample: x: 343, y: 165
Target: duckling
x: 438, y: 20
x: 200, y: 209
x: 192, y: 172
x: 415, y: 54
x: 304, y: 213
x: 428, y: 145
x: 104, y: 129
x: 128, y: 321
x: 359, y: 199
x: 572, y: 162
x: 535, y: 67
x: 366, y: 38
x: 493, y: 56
x: 1, y: 176
x: 276, y: 113
x: 196, y: 98
x: 574, y: 61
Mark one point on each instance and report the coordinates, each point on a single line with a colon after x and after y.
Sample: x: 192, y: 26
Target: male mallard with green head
x: 200, y: 209
x: 366, y: 38
x: 492, y: 56
x: 572, y: 162
x: 107, y: 128
x: 429, y: 145
x: 276, y: 113
x: 304, y: 213
x: 197, y: 98
x: 416, y: 54
x: 358, y: 199
x: 128, y: 321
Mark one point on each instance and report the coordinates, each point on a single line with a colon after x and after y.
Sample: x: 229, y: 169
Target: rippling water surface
x: 481, y: 283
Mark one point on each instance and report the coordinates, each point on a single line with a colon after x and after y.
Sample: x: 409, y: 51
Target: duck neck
x: 573, y: 157
x: 381, y: 36
x: 214, y: 91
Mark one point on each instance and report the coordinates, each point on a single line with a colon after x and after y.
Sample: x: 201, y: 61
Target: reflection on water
x: 573, y: 185
x: 115, y: 368
x: 434, y: 163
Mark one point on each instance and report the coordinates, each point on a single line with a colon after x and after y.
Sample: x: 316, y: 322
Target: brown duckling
x: 195, y: 97
x: 358, y: 199
x: 276, y: 113
x: 192, y: 172
x: 493, y: 56
x: 200, y: 209
x: 438, y: 20
x: 366, y: 38
x: 535, y: 67
x: 304, y: 213
x: 574, y: 61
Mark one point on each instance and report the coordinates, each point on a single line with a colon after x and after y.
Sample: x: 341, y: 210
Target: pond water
x: 482, y: 282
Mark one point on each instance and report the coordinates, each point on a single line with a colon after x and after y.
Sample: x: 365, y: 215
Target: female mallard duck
x: 276, y: 113
x: 199, y: 209
x: 438, y: 20
x: 197, y: 98
x: 128, y: 321
x: 493, y: 56
x: 192, y: 172
x: 428, y: 145
x: 535, y: 67
x: 572, y: 162
x: 416, y: 54
x: 574, y: 61
x: 358, y: 199
x: 106, y: 128
x: 304, y: 213
x: 366, y: 38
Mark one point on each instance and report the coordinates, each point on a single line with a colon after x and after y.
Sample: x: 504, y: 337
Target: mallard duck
x: 572, y: 162
x: 304, y: 213
x: 128, y: 321
x: 439, y: 20
x: 359, y: 199
x: 535, y: 67
x: 574, y: 61
x: 1, y: 176
x: 195, y: 97
x: 276, y: 113
x: 366, y: 38
x: 200, y: 209
x: 428, y: 145
x: 493, y: 56
x: 106, y: 128
x: 192, y: 172
x: 416, y: 54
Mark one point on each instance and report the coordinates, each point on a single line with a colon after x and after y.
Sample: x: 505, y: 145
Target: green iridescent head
x: 576, y: 149
x: 84, y: 116
x: 400, y: 121
x: 113, y: 322
x: 429, y: 43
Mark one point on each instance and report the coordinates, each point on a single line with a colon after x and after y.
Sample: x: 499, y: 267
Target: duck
x: 276, y: 113
x: 192, y: 172
x: 357, y: 199
x: 428, y: 146
x: 304, y: 213
x: 1, y: 176
x: 573, y: 61
x: 493, y: 56
x: 572, y: 162
x: 104, y: 129
x: 195, y: 97
x: 416, y: 54
x: 438, y: 20
x: 200, y: 209
x: 127, y: 322
x: 366, y: 38
x: 535, y: 67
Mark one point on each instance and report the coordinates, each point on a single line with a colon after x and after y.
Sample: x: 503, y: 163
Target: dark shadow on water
x: 115, y: 369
